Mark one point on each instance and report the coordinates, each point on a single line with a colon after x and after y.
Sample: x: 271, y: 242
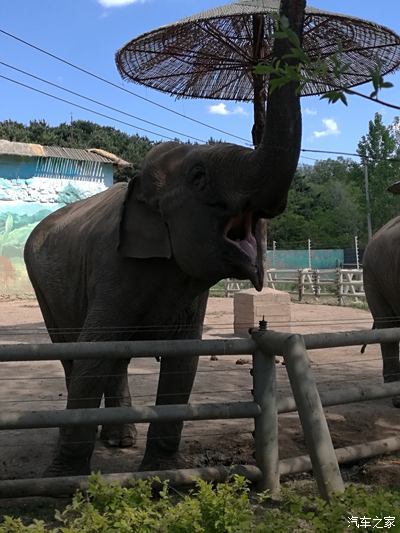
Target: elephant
x: 135, y: 262
x: 381, y: 273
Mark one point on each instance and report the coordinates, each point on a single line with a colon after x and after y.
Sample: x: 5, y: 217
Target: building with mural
x: 34, y: 181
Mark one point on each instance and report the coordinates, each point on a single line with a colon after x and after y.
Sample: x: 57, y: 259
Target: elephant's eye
x: 198, y: 178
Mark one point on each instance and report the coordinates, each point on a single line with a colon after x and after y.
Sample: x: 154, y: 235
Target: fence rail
x: 342, y: 283
x: 323, y: 459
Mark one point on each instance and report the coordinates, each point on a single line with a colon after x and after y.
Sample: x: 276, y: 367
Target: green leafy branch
x: 297, y: 66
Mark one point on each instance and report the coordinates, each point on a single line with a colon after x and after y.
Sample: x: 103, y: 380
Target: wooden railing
x: 343, y: 283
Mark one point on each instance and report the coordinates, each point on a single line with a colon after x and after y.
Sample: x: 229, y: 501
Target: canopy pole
x: 258, y: 80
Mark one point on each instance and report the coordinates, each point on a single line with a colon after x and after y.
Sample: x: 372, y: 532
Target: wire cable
x: 112, y: 84
x: 104, y: 80
x: 97, y: 102
x: 85, y: 108
x: 391, y: 159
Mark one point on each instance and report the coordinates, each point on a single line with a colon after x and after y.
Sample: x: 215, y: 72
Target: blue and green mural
x: 27, y: 195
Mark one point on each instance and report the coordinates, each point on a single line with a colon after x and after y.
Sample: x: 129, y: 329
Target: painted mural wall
x: 31, y: 189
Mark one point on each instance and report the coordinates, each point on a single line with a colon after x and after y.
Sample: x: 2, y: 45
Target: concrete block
x: 249, y: 307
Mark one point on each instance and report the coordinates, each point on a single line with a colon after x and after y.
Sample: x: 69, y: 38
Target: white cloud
x: 311, y: 112
x: 222, y: 109
x: 331, y: 128
x: 118, y: 3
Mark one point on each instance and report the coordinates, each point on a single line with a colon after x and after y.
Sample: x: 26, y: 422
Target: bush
x: 222, y: 508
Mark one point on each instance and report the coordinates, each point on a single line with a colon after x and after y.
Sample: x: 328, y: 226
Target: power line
x: 98, y: 102
x: 143, y: 120
x: 112, y: 84
x: 394, y: 159
x: 83, y: 107
x: 309, y: 158
x: 331, y: 152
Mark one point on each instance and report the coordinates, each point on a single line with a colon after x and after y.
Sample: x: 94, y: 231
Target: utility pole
x: 367, y: 201
x: 71, y: 136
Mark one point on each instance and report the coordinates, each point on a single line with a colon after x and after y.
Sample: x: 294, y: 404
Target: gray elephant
x: 136, y: 262
x: 381, y: 273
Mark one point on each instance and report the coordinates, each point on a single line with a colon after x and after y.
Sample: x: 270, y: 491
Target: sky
x: 87, y: 33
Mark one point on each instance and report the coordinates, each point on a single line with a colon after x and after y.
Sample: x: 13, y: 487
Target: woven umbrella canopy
x: 213, y: 54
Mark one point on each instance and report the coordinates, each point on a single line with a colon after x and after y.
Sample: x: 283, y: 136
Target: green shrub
x: 350, y: 511
x: 221, y: 508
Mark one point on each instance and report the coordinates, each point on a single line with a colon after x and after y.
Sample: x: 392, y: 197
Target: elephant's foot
x: 396, y: 401
x: 391, y: 378
x: 119, y: 436
x: 159, y: 460
x: 60, y: 468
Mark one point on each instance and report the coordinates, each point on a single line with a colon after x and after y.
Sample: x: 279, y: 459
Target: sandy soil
x: 40, y: 386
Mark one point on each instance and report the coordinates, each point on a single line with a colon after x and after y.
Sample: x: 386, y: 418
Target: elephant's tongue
x: 239, y: 230
x: 249, y: 247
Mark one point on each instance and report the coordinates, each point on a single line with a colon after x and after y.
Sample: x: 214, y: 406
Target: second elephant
x: 381, y: 273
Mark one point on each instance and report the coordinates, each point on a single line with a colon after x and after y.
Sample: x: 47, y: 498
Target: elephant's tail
x: 364, y: 346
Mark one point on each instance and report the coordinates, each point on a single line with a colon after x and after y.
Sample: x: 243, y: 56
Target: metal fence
x: 264, y: 408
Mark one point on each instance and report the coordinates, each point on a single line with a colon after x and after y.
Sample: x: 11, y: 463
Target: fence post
x: 301, y: 283
x: 357, y: 252
x: 266, y: 424
x: 273, y: 253
x: 339, y: 286
x: 316, y: 283
x: 312, y: 417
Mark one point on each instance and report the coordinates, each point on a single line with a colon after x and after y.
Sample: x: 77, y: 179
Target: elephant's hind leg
x: 386, y: 317
x: 117, y: 394
x: 391, y: 366
x: 88, y: 382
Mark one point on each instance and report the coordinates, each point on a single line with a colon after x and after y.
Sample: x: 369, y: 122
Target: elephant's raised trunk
x: 275, y: 160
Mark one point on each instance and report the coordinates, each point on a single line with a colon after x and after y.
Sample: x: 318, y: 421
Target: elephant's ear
x: 143, y: 233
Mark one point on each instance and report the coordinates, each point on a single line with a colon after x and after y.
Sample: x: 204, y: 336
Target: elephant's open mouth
x: 239, y: 231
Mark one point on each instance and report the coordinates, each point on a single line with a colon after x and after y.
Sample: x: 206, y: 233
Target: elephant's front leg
x: 87, y: 384
x: 117, y: 394
x: 391, y: 366
x: 175, y: 384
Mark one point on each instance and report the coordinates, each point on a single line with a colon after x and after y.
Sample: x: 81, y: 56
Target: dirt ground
x: 40, y: 386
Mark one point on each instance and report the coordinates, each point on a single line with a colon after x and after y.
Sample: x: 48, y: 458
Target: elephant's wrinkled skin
x: 381, y: 272
x: 136, y: 262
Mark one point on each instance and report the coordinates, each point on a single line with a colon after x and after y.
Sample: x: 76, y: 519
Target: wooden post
x: 313, y: 421
x: 266, y: 423
x: 339, y: 286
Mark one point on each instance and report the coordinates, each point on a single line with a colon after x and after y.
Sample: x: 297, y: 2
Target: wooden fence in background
x: 344, y: 284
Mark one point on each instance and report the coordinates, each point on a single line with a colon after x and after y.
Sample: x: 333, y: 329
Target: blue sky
x: 88, y: 33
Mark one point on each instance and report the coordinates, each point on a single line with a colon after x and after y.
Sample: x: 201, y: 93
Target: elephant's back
x: 78, y: 220
x: 384, y: 247
x: 381, y: 262
x: 60, y: 251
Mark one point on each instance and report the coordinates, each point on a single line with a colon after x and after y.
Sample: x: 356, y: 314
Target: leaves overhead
x: 330, y: 71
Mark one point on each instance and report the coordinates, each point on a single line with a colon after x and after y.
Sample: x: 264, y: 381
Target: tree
x: 82, y: 134
x: 323, y: 204
x: 377, y: 149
